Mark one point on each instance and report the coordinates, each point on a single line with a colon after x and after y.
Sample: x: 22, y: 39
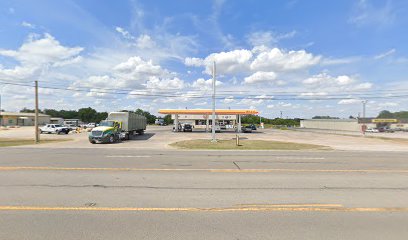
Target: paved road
x: 145, y: 194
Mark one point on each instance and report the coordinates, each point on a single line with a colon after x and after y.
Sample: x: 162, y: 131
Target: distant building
x: 354, y: 125
x: 22, y: 119
x: 57, y: 121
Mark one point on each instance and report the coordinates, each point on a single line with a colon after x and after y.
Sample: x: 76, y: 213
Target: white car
x: 90, y: 125
x: 54, y: 128
x: 373, y: 130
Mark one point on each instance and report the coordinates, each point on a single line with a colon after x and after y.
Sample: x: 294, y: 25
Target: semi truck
x: 118, y: 126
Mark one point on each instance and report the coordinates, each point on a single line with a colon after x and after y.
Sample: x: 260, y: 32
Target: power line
x: 289, y: 96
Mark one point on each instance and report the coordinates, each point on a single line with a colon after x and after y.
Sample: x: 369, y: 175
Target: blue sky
x: 302, y: 57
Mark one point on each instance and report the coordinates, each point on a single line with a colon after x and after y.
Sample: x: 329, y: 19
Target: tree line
x: 253, y: 119
x: 89, y: 114
x: 388, y: 114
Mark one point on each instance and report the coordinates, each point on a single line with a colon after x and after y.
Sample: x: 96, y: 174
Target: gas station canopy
x: 209, y: 111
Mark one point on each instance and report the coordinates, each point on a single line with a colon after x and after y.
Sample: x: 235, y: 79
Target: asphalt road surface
x: 140, y: 194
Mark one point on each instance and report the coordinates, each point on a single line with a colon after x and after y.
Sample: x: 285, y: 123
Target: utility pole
x: 37, y: 136
x: 281, y: 114
x: 1, y: 118
x: 364, y: 127
x: 213, y: 107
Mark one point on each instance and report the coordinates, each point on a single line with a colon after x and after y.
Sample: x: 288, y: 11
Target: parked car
x: 246, y: 129
x: 217, y: 128
x: 187, y: 128
x: 373, y: 130
x: 90, y: 125
x: 253, y: 127
x: 54, y: 128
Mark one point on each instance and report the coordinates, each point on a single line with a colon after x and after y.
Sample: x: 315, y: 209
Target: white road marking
x: 300, y: 158
x: 128, y: 156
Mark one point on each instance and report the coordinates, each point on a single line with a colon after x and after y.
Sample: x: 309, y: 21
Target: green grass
x: 245, y: 145
x: 8, y: 142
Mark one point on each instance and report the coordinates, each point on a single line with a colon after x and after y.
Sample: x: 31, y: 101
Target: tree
x: 324, y: 117
x: 168, y: 120
x: 26, y: 110
x: 385, y: 114
x: 149, y: 117
x: 87, y: 114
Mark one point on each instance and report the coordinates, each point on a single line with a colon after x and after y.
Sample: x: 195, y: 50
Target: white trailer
x: 131, y: 123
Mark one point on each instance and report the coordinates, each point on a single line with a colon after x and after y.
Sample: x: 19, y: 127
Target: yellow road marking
x: 268, y: 170
x: 290, y: 205
x: 251, y: 209
x: 307, y: 170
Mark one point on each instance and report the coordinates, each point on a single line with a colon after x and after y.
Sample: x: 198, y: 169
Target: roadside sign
x: 384, y: 120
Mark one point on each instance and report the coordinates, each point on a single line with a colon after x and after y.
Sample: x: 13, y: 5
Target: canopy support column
x: 176, y: 123
x: 207, y: 124
x: 239, y: 123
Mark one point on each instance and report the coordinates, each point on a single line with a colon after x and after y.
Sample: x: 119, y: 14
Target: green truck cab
x: 106, y: 132
x: 118, y: 126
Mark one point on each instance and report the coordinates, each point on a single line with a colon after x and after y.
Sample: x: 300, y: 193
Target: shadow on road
x: 145, y: 136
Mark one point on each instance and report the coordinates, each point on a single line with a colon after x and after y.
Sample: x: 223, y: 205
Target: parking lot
x: 159, y: 137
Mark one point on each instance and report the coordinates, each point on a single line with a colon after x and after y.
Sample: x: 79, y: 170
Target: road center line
x: 267, y: 170
x: 191, y: 209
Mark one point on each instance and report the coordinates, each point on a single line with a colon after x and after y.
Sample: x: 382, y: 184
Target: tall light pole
x: 364, y: 102
x: 37, y: 135
x: 213, y: 106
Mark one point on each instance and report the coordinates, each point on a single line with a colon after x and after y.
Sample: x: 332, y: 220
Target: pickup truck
x: 54, y: 128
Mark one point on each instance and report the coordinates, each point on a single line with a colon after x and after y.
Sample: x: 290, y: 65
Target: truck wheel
x: 58, y: 132
x: 127, y: 136
x: 93, y: 142
x: 111, y: 139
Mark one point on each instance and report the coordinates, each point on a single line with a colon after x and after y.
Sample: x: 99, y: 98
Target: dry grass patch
x: 245, y: 145
x: 8, y: 142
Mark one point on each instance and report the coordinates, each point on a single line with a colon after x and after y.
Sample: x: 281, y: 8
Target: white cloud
x: 281, y: 61
x: 366, y: 14
x: 226, y: 62
x: 253, y: 101
x: 156, y: 83
x: 260, y: 58
x: 388, y: 104
x: 349, y: 101
x: 386, y: 54
x: 145, y: 41
x: 340, y: 61
x: 363, y: 86
x: 124, y: 33
x: 313, y: 94
x: 36, y: 55
x: 323, y: 79
x: 268, y: 38
x: 203, y: 84
x: 260, y: 77
x: 229, y: 99
x: 27, y: 25
x: 196, y: 62
x: 137, y: 69
x: 42, y: 51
